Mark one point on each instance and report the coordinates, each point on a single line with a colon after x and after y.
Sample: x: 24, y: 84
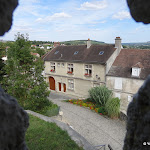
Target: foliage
x: 41, y: 52
x: 112, y: 107
x: 100, y: 95
x: 96, y: 107
x: 41, y: 42
x: 101, y: 110
x: 42, y: 135
x: 80, y: 42
x: 50, y: 111
x: 24, y: 79
x: 2, y: 65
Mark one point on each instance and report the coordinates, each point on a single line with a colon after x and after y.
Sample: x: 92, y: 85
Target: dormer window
x: 101, y: 52
x: 136, y: 71
x: 56, y: 52
x: 76, y: 52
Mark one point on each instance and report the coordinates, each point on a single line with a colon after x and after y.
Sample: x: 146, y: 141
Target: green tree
x: 2, y: 65
x: 24, y: 79
x: 41, y: 52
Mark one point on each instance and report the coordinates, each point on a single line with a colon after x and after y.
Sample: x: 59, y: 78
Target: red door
x: 64, y: 87
x: 52, y: 83
x: 59, y: 86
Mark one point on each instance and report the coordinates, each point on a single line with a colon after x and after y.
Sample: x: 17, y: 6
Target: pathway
x: 96, y: 129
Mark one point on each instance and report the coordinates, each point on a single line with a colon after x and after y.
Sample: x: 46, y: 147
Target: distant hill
x: 144, y: 45
x: 80, y: 42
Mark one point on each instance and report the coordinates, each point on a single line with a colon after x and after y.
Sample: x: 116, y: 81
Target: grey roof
x: 129, y: 58
x: 86, y: 55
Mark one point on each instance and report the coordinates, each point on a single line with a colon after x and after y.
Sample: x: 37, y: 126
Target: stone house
x: 127, y: 74
x: 74, y: 70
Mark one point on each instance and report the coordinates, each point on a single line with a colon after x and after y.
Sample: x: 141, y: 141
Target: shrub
x: 101, y: 110
x: 112, y: 107
x: 50, y: 110
x: 100, y: 94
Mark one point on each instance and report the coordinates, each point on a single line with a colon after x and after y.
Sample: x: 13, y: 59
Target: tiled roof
x: 138, y: 65
x: 84, y: 54
x: 129, y: 58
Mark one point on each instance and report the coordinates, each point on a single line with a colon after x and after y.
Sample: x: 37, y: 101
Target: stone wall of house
x: 79, y: 70
x: 138, y: 120
x: 82, y: 83
x: 124, y: 88
x: 111, y: 60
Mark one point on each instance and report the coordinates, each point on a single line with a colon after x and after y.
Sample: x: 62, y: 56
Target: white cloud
x: 56, y: 16
x: 60, y: 15
x: 97, y: 5
x: 122, y: 15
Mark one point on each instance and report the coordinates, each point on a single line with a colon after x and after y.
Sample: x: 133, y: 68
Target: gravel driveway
x: 96, y: 129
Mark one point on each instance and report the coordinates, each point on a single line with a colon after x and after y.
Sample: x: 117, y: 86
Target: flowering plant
x: 86, y: 74
x: 98, y: 109
x: 70, y: 72
x: 52, y: 70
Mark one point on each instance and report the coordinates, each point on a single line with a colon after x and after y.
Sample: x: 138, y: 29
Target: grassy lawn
x: 43, y: 135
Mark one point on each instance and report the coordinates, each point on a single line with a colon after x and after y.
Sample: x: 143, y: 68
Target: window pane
x: 90, y: 66
x: 86, y: 66
x: 90, y: 71
x: 72, y: 86
x: 86, y: 71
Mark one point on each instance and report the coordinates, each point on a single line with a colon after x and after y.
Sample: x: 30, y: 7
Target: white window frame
x: 70, y: 68
x: 63, y: 64
x: 88, y: 70
x: 118, y: 84
x: 136, y: 72
x: 70, y: 84
x: 53, y: 67
x: 58, y: 64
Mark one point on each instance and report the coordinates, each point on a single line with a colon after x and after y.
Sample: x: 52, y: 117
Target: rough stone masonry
x: 138, y: 122
x: 140, y: 10
x: 6, y: 12
x: 14, y: 122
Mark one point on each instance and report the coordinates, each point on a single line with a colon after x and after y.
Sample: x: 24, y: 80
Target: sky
x: 63, y: 20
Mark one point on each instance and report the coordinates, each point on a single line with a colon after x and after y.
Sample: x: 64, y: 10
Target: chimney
x: 88, y: 43
x: 118, y: 44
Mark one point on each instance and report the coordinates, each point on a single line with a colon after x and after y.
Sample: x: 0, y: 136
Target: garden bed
x: 90, y: 105
x: 86, y: 103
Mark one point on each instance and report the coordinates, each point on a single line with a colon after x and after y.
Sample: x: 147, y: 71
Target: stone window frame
x: 70, y: 68
x: 53, y: 67
x: 71, y: 84
x: 88, y: 70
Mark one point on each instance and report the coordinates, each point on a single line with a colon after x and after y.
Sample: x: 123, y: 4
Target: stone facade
x: 82, y: 83
x: 123, y: 88
x: 138, y: 121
